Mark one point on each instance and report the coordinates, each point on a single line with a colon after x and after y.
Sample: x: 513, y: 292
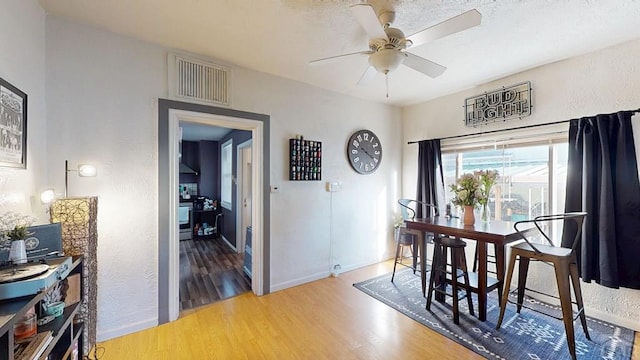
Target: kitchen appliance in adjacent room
x: 185, y: 219
x: 188, y: 191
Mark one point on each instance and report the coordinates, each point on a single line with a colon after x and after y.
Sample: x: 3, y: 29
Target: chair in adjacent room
x: 441, y: 275
x: 562, y: 259
x: 217, y: 226
x: 405, y: 238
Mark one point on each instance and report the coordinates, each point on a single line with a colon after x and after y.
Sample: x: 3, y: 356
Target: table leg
x: 482, y: 280
x: 440, y: 281
x: 500, y: 269
x: 415, y: 249
x: 422, y: 250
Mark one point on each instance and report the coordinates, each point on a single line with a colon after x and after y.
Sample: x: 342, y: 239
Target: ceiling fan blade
x: 368, y: 75
x: 337, y: 57
x: 367, y: 18
x: 423, y: 65
x: 458, y: 23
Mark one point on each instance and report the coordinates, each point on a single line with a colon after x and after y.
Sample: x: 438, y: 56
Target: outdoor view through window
x: 531, y: 178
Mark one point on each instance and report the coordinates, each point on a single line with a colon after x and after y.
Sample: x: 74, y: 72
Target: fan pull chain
x: 386, y: 81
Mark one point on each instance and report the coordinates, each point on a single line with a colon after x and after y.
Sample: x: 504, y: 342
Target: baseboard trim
x: 126, y: 330
x: 299, y: 281
x: 318, y: 276
x: 228, y: 243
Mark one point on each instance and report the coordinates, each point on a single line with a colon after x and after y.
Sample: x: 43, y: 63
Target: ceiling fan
x: 387, y: 45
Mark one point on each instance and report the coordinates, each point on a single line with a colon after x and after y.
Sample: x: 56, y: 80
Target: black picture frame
x: 13, y: 126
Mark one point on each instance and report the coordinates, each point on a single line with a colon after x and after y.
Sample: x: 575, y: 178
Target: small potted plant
x: 19, y: 232
x: 13, y: 231
x: 18, y: 252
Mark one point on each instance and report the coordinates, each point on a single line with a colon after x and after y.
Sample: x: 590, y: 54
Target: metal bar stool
x: 440, y: 273
x: 406, y: 239
x: 565, y: 265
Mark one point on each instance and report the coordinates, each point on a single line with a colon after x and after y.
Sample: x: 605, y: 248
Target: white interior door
x: 245, y: 193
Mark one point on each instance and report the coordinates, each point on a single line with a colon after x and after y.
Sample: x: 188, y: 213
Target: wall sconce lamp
x: 84, y: 170
x: 47, y: 196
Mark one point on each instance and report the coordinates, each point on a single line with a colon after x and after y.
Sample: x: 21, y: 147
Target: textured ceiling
x: 281, y: 37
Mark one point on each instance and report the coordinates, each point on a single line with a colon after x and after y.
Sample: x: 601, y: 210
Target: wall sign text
x: 499, y: 105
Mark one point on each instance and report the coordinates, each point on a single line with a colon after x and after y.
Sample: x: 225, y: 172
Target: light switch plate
x: 334, y: 186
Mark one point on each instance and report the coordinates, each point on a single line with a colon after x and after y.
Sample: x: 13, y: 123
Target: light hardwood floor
x: 325, y: 319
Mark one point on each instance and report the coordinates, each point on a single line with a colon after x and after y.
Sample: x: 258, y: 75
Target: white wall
x: 304, y: 216
x: 102, y: 97
x: 602, y: 82
x: 22, y: 64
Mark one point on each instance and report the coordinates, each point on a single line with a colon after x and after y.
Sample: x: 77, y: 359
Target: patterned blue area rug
x: 528, y: 335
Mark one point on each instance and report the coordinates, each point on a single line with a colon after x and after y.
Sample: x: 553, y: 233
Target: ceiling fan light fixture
x: 386, y: 60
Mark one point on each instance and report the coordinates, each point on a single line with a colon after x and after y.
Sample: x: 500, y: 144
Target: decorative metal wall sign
x: 498, y: 105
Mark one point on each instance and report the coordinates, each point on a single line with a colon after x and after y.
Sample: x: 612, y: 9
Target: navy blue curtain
x: 430, y: 176
x: 602, y: 179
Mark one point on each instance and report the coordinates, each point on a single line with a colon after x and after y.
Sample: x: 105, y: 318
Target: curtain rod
x: 501, y: 130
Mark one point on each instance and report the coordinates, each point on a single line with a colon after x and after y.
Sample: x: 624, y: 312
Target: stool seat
x: 440, y: 276
x: 450, y: 242
x: 406, y: 239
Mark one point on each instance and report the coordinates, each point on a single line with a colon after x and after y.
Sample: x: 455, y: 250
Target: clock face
x: 364, y: 151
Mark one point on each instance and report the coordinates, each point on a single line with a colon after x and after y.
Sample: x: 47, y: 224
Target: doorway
x: 213, y: 266
x: 171, y: 113
x: 244, y: 201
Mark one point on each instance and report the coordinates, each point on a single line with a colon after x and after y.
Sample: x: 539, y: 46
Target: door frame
x: 240, y: 239
x: 170, y: 114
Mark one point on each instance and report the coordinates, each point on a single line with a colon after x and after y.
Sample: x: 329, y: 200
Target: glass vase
x: 485, y: 213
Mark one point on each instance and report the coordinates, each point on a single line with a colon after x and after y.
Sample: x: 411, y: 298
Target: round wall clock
x: 364, y: 151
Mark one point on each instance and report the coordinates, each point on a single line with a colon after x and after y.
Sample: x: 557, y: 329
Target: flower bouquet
x: 487, y: 179
x: 471, y: 190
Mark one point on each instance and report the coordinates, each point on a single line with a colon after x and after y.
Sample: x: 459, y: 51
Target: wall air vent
x: 199, y: 81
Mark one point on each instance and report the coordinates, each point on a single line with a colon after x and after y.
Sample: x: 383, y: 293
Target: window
x: 226, y: 177
x: 532, y: 171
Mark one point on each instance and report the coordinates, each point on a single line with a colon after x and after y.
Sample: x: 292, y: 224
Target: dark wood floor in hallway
x: 209, y: 271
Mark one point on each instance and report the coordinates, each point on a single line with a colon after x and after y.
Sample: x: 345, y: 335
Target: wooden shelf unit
x: 66, y: 330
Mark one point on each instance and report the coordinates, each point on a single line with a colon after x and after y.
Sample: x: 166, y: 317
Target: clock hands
x: 372, y: 162
x: 366, y: 152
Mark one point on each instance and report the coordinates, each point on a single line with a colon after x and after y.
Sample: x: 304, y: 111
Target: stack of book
x: 31, y: 348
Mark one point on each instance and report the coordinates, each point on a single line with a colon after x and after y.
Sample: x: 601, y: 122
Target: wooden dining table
x: 495, y: 232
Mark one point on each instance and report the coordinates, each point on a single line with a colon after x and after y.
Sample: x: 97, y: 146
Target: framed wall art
x: 13, y: 126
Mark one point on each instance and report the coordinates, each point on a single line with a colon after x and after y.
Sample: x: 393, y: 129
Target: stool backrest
x: 408, y: 212
x: 540, y: 221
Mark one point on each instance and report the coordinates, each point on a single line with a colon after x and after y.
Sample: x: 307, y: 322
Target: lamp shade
x: 386, y: 60
x: 47, y: 196
x: 86, y: 170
